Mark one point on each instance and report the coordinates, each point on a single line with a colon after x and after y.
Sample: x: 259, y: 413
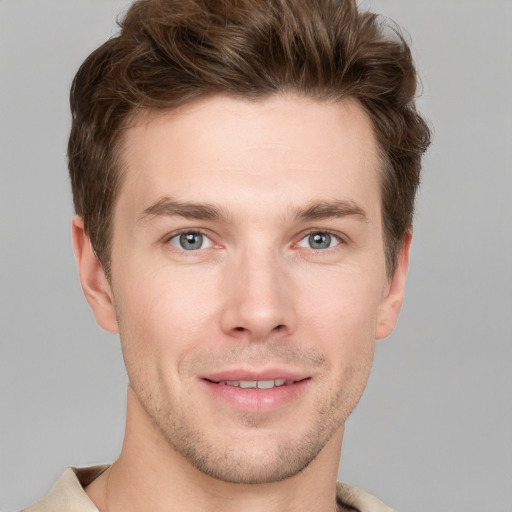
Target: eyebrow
x: 330, y: 209
x: 168, y: 207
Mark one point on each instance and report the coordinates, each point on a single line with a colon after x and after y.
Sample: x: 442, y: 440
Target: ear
x: 94, y: 283
x: 394, y: 295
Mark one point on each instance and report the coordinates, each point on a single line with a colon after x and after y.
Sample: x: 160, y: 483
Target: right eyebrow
x: 168, y: 207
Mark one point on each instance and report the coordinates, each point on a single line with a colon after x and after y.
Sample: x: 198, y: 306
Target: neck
x: 150, y: 475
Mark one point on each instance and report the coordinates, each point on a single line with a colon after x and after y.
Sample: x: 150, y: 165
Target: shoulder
x: 68, y: 492
x: 355, y: 498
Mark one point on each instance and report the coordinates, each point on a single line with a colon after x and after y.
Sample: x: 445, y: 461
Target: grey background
x: 434, y: 429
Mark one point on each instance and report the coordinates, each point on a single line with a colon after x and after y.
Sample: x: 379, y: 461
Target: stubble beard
x: 246, y: 463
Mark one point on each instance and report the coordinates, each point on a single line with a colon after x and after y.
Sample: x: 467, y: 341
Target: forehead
x: 229, y: 149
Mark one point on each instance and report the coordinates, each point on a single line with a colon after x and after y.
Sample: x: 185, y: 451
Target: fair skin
x: 248, y: 287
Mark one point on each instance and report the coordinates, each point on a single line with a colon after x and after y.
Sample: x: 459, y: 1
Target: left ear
x: 392, y: 302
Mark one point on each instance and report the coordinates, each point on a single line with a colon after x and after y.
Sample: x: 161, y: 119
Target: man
x: 243, y: 174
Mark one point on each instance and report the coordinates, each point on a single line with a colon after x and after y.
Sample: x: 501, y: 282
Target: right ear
x: 94, y: 283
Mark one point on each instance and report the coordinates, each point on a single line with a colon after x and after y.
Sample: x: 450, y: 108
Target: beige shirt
x: 68, y: 495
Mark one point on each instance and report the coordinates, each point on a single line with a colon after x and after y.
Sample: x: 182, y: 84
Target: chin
x: 257, y: 457
x: 255, y: 466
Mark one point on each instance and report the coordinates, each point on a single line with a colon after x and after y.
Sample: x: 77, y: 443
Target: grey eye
x: 319, y: 240
x: 190, y: 241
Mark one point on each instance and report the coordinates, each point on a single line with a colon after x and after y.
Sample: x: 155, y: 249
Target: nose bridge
x: 259, y: 298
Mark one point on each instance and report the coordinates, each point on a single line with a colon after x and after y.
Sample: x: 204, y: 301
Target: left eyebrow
x: 326, y: 209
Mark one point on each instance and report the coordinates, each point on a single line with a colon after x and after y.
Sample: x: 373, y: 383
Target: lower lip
x: 257, y: 400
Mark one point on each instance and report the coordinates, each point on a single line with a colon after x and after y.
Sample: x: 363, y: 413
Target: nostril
x: 278, y: 327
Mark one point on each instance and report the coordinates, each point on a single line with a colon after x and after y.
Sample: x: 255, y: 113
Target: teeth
x: 266, y: 384
x: 246, y: 384
x: 255, y: 384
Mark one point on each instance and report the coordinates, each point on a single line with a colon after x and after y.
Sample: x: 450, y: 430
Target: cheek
x: 341, y: 320
x: 342, y: 306
x: 162, y: 312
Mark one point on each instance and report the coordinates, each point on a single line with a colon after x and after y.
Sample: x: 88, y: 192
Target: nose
x: 258, y: 298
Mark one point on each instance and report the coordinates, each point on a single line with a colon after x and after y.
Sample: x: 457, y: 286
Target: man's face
x: 249, y: 279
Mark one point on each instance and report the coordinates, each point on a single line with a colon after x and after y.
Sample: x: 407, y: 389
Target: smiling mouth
x: 256, y: 384
x: 253, y: 393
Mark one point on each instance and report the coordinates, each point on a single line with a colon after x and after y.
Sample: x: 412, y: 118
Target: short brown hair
x: 169, y: 52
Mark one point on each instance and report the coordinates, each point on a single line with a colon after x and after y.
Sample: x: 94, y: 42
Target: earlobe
x: 392, y: 302
x: 94, y: 283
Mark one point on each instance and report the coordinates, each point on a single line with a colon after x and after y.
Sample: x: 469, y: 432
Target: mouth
x: 257, y: 384
x: 249, y: 392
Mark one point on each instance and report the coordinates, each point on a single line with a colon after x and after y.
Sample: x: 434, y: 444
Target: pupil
x: 320, y: 240
x: 191, y: 241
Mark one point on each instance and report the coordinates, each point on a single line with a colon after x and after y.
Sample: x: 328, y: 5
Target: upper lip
x: 237, y: 374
